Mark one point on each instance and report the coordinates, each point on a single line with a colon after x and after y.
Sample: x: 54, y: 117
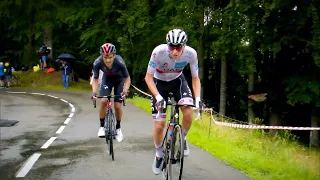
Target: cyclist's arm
x: 149, y: 77
x: 127, y: 79
x: 95, y: 76
x: 196, y: 84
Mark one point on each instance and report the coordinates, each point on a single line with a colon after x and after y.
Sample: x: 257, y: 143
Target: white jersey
x: 166, y: 68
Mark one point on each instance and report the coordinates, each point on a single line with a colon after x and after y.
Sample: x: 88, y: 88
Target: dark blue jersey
x: 118, y: 71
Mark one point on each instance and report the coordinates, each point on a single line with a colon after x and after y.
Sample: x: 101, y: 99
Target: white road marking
x: 47, y: 144
x: 67, y: 120
x: 71, y: 105
x: 71, y: 115
x: 64, y: 100
x: 60, y: 129
x: 25, y: 168
x: 52, y: 96
x: 38, y: 94
x: 16, y: 92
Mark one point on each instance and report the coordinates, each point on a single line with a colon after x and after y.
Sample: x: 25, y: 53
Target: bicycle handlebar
x: 199, y: 115
x: 108, y: 97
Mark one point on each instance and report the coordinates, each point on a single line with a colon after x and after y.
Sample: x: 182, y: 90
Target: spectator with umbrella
x: 65, y: 60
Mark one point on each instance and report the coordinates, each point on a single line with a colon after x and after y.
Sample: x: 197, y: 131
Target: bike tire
x: 166, y: 158
x: 176, y: 155
x: 111, y: 130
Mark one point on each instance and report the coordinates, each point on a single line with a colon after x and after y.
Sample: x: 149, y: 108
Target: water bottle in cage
x: 170, y: 132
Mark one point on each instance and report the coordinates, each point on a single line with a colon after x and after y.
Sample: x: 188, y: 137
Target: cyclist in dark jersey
x: 115, y: 75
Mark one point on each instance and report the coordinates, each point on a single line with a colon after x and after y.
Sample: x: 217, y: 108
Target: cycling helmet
x: 107, y: 49
x: 177, y: 37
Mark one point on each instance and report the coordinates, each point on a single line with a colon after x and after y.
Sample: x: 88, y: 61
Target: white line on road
x: 52, y: 96
x: 47, y: 144
x: 16, y: 92
x: 60, y: 129
x: 64, y: 100
x: 38, y: 94
x: 67, y: 120
x: 71, y: 115
x: 25, y: 168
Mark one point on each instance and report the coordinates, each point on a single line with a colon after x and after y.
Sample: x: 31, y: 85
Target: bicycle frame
x: 109, y: 131
x: 109, y: 108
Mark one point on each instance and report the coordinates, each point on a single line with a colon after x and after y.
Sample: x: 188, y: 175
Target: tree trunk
x: 47, y: 39
x: 251, y: 115
x: 31, y: 37
x: 275, y: 120
x: 201, y: 49
x: 223, y: 86
x: 314, y: 135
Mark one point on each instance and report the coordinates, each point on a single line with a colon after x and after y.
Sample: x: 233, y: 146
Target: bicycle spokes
x: 173, y: 154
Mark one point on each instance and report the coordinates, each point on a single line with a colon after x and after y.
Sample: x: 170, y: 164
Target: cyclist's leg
x: 105, y: 90
x: 159, y: 124
x: 118, y: 87
x: 183, y: 96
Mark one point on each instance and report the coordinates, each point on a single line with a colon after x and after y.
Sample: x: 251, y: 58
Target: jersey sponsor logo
x: 180, y: 64
x: 152, y: 64
x: 162, y: 53
x: 165, y: 65
x: 169, y: 71
x: 196, y: 66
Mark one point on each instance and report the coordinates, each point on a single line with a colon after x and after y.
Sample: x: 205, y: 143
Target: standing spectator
x: 7, y: 74
x: 43, y: 57
x: 1, y: 75
x: 66, y: 69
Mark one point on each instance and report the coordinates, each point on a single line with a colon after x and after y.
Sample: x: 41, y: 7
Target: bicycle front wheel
x: 111, y: 134
x: 175, y: 165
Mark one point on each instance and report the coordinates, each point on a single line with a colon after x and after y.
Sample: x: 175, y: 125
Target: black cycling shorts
x: 106, y: 88
x: 180, y: 90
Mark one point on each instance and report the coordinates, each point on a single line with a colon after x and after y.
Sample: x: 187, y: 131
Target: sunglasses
x: 177, y: 47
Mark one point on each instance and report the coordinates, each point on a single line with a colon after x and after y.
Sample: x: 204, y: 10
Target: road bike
x: 172, y: 143
x: 110, y: 122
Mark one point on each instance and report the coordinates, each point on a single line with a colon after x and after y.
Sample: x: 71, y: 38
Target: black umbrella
x: 66, y: 56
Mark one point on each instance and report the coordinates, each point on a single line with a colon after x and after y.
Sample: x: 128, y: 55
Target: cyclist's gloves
x: 124, y: 94
x: 161, y: 103
x: 199, y: 104
x: 94, y: 95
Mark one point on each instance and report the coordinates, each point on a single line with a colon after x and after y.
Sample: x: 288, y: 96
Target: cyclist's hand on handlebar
x: 94, y: 96
x: 200, y: 109
x: 124, y: 94
x: 161, y: 103
x: 201, y: 106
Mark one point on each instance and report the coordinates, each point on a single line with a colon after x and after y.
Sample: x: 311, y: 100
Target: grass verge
x: 52, y: 81
x: 257, y: 154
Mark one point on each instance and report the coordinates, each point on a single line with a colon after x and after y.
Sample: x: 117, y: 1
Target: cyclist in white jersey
x: 164, y: 75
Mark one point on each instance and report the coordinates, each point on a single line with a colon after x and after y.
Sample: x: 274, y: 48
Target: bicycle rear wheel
x: 175, y: 165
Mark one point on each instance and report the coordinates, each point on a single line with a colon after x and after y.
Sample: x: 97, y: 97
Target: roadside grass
x: 52, y: 81
x: 254, y: 152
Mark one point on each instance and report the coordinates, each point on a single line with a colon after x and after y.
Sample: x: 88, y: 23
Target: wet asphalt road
x: 78, y: 153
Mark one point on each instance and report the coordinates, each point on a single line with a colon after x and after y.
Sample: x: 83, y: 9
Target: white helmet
x: 177, y: 37
x: 1, y: 63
